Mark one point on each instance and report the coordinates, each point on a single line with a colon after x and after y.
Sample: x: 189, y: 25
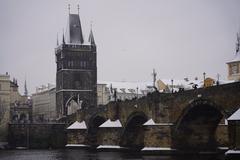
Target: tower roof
x: 91, y: 38
x: 74, y: 30
x: 236, y: 58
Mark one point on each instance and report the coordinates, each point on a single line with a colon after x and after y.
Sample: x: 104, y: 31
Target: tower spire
x: 57, y: 40
x: 91, y: 37
x: 78, y: 8
x: 25, y: 88
x: 238, y: 43
x: 63, y: 40
x: 154, y: 74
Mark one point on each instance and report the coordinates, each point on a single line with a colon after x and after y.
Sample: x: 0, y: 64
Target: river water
x: 74, y: 154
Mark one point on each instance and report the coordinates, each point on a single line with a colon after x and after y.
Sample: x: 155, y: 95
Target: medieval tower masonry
x: 76, y: 76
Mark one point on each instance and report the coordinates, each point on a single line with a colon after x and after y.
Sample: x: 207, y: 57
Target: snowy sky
x: 179, y: 38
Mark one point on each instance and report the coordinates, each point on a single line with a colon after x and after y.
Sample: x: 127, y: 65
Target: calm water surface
x: 70, y: 154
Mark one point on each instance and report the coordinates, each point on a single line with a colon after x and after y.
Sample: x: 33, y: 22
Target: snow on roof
x: 157, y: 149
x: 235, y: 116
x: 127, y: 87
x: 110, y: 123
x: 236, y: 58
x: 108, y: 146
x: 232, y: 152
x: 226, y: 81
x: 77, y: 125
x: 149, y: 122
x: 76, y: 145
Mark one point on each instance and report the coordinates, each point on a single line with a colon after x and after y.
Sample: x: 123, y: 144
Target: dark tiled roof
x: 75, y: 29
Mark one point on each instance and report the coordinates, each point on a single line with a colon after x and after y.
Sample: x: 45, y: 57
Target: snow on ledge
x: 110, y: 123
x: 108, y: 147
x: 235, y: 116
x: 157, y: 149
x: 150, y: 122
x: 76, y: 145
x: 223, y: 148
x: 232, y: 152
x: 77, y: 125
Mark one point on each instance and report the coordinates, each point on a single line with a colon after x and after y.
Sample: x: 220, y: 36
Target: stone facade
x: 37, y: 135
x: 9, y: 95
x: 157, y: 136
x: 103, y: 94
x: 44, y: 105
x: 21, y: 112
x: 234, y: 70
x: 109, y: 136
x: 234, y: 134
x: 76, y: 136
x: 76, y: 77
x: 190, y: 120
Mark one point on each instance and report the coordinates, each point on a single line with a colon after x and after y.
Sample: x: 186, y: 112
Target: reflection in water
x: 71, y: 154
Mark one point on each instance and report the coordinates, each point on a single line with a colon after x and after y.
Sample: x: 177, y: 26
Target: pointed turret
x: 91, y: 38
x: 63, y: 40
x: 57, y: 40
x: 25, y: 88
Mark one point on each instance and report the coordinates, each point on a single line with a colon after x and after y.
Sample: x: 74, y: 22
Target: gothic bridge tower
x: 76, y: 77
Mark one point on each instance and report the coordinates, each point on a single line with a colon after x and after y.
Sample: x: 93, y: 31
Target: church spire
x: 91, y: 38
x: 25, y: 88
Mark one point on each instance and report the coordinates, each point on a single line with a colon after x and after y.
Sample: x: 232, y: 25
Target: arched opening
x: 74, y: 103
x: 23, y: 118
x: 133, y: 134
x: 15, y: 118
x: 92, y: 132
x: 196, y: 128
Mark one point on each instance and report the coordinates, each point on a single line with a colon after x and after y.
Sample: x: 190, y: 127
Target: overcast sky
x: 179, y: 38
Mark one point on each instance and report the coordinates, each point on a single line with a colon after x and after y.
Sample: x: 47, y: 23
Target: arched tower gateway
x: 76, y: 76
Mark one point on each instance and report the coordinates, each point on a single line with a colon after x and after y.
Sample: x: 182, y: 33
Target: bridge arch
x: 195, y: 128
x: 92, y: 131
x: 133, y: 133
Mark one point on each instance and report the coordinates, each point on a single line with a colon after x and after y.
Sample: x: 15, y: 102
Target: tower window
x: 234, y: 69
x: 84, y: 64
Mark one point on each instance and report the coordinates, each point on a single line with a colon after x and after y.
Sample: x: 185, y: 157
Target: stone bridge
x: 188, y: 120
